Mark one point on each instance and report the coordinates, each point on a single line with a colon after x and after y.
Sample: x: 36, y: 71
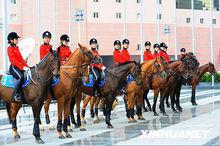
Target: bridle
x: 41, y: 80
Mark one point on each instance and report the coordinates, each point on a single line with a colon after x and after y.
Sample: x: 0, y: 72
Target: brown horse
x: 109, y: 91
x: 70, y: 73
x: 35, y: 93
x: 149, y: 69
x: 194, y: 81
x: 159, y: 84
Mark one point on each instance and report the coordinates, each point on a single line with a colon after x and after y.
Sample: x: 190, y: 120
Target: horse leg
x: 72, y: 105
x: 178, y: 90
x: 60, y: 108
x: 78, y: 101
x: 92, y: 102
x: 126, y: 100
x: 147, y: 100
x: 85, y: 102
x: 36, y: 108
x: 156, y: 93
x: 108, y: 105
x: 139, y: 105
x: 167, y: 102
x: 14, y: 111
x: 47, y: 117
x: 193, y: 99
x: 97, y: 110
x: 131, y: 103
x: 172, y: 97
x: 66, y: 116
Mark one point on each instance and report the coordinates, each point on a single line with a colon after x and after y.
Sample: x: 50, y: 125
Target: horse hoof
x: 41, y: 127
x: 165, y: 114
x: 68, y: 135
x: 39, y: 141
x: 134, y: 121
x: 175, y: 111
x: 168, y: 106
x: 17, y: 136
x: 96, y: 121
x: 130, y: 120
x: 61, y: 136
x: 82, y: 128
x: 110, y: 126
x: 194, y: 104
x: 70, y: 129
x: 156, y: 114
x: 141, y: 118
x: 51, y: 127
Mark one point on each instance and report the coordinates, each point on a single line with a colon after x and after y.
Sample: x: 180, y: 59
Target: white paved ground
x: 204, y: 117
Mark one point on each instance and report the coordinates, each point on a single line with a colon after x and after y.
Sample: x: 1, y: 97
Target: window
x: 118, y: 15
x: 160, y: 2
x: 201, y: 20
x: 118, y: 1
x: 159, y: 16
x: 13, y: 1
x: 138, y: 1
x: 96, y: 1
x: 213, y: 21
x: 95, y: 15
x: 13, y: 17
x: 138, y: 16
x: 138, y: 46
x: 187, y: 20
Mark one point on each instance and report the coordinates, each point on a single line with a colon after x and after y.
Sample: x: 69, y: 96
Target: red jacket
x: 117, y: 57
x: 155, y: 55
x: 64, y: 54
x: 165, y: 55
x: 148, y: 55
x: 44, y: 50
x: 15, y: 57
x: 125, y: 56
x: 99, y: 66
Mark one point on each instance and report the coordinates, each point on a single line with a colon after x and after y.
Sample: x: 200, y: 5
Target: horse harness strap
x: 42, y: 81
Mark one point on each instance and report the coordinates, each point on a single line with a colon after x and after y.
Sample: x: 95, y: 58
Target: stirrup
x: 17, y: 97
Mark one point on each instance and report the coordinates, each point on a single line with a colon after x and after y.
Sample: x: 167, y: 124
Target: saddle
x: 9, y: 81
x: 92, y: 80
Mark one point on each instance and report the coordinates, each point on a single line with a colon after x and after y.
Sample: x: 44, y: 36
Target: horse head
x: 135, y: 71
x: 88, y: 55
x: 211, y: 68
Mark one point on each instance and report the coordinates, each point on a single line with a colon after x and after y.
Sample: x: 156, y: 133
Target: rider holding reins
x: 18, y: 65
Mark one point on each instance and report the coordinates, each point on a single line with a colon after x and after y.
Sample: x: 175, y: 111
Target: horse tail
x: 8, y: 107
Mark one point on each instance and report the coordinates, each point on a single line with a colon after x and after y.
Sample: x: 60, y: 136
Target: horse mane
x: 71, y: 55
x: 43, y: 60
x: 125, y: 63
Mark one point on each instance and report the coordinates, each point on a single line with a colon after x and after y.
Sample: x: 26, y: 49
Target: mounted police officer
x: 124, y: 53
x: 18, y: 65
x: 117, y: 53
x: 44, y: 50
x: 45, y: 47
x: 64, y: 49
x: 96, y: 69
x: 156, y: 50
x: 147, y: 53
x: 163, y: 52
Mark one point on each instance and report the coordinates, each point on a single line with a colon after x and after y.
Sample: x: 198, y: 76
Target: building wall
x: 108, y: 28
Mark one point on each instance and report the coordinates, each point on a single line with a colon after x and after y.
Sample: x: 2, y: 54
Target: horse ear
x: 81, y: 47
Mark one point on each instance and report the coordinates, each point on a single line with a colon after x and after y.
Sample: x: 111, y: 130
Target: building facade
x: 108, y: 20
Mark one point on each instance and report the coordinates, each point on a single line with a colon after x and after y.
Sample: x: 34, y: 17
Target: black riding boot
x: 16, y: 96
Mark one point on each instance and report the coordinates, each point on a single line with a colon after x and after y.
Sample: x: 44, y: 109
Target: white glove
x: 26, y: 69
x: 103, y: 68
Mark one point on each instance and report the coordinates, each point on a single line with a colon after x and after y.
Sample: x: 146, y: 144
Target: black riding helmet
x: 47, y: 34
x: 64, y: 37
x: 12, y: 36
x: 163, y: 45
x: 117, y: 42
x: 156, y: 46
x: 183, y: 50
x: 93, y: 41
x: 147, y: 43
x: 125, y: 41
